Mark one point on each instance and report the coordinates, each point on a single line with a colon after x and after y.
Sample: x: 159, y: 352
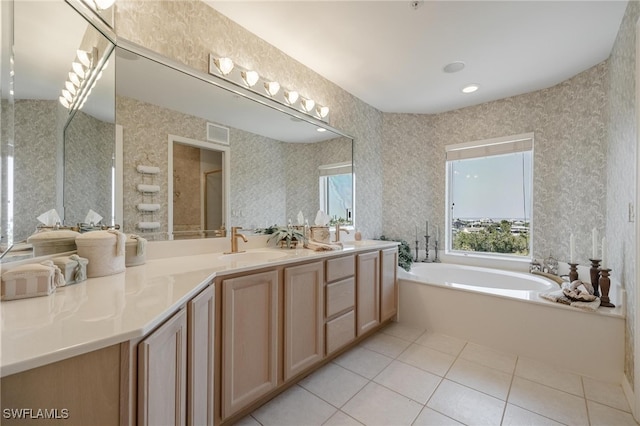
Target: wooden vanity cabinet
x: 388, y: 283
x: 340, y: 327
x: 303, y: 317
x: 249, y: 339
x: 367, y: 291
x: 162, y: 373
x: 200, y: 356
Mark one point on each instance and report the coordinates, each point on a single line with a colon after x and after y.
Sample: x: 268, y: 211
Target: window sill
x: 511, y: 263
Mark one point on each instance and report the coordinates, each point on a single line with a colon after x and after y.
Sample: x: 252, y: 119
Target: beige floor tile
x: 549, y: 375
x: 295, y: 407
x: 441, y: 342
x: 488, y: 357
x: 479, y: 377
x: 601, y: 415
x: 409, y: 381
x: 466, y: 405
x: 334, y: 384
x: 428, y: 417
x: 341, y: 419
x: 377, y: 405
x: 403, y: 331
x: 427, y: 359
x: 516, y: 416
x: 610, y: 394
x: 549, y: 402
x: 385, y: 344
x: 247, y: 421
x: 363, y: 361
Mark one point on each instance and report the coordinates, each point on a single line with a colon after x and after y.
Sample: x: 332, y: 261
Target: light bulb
x: 272, y: 87
x: 104, y: 4
x: 291, y: 96
x: 470, y: 88
x: 78, y: 69
x: 73, y: 77
x: 84, y: 58
x: 224, y: 65
x: 250, y: 77
x: 307, y: 104
x: 65, y: 103
x: 70, y: 87
x: 322, y: 111
x: 67, y: 95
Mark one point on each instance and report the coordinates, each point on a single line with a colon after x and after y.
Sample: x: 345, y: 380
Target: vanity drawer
x: 342, y: 267
x: 340, y: 296
x: 340, y: 331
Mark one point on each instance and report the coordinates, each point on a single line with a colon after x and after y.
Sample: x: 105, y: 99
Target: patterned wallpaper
x: 83, y: 160
x: 37, y: 137
x: 187, y: 31
x: 621, y: 169
x: 569, y: 160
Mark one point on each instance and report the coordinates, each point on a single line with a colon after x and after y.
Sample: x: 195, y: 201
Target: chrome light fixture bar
x: 225, y: 68
x: 85, y: 72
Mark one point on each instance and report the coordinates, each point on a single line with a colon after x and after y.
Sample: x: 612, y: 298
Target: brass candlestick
x: 595, y: 275
x: 573, y: 272
x: 605, y: 284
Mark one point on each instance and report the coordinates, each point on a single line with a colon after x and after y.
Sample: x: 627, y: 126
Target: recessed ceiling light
x: 453, y: 67
x: 320, y: 129
x: 470, y: 88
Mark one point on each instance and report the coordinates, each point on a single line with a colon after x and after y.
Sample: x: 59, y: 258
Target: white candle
x: 437, y: 233
x: 594, y: 243
x: 427, y: 229
x: 571, y: 247
x: 604, y: 253
x: 416, y: 232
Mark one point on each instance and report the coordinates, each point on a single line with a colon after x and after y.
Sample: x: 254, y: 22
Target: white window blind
x: 485, y: 148
x: 335, y: 169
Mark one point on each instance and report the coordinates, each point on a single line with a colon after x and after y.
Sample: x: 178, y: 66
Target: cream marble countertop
x: 104, y: 311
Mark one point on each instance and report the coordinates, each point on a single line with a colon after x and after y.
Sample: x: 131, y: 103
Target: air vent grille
x: 216, y: 133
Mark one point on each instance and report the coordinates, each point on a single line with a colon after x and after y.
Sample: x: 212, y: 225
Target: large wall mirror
x: 57, y: 130
x: 218, y: 153
x: 250, y: 163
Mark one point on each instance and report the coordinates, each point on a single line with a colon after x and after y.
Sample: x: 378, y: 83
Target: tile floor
x: 408, y: 376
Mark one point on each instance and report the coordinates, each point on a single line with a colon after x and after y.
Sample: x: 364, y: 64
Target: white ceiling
x: 391, y: 55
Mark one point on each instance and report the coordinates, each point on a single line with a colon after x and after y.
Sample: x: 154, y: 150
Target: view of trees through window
x: 490, y: 202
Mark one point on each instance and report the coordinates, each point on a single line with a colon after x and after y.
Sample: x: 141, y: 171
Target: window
x: 489, y: 196
x: 336, y: 191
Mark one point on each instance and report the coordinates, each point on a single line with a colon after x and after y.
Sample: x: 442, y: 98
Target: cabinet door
x: 303, y: 317
x: 162, y: 373
x: 249, y: 339
x: 200, y: 319
x: 367, y: 291
x: 388, y: 283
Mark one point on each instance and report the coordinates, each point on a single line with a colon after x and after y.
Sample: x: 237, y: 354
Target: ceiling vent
x: 216, y: 133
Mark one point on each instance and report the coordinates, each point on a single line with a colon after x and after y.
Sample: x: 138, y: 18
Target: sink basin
x: 360, y: 243
x: 250, y: 257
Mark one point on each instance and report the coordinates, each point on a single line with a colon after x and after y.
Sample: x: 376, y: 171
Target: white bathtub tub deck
x: 476, y: 304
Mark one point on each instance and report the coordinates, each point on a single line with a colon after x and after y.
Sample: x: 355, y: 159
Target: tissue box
x: 74, y: 268
x: 104, y: 250
x: 29, y: 280
x: 52, y: 242
x: 135, y: 251
x: 321, y: 234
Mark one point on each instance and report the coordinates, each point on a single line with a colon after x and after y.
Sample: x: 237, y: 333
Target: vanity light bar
x: 225, y: 68
x: 83, y: 69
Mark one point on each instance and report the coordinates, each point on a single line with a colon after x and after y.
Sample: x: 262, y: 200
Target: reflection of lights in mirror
x: 100, y: 4
x: 82, y: 79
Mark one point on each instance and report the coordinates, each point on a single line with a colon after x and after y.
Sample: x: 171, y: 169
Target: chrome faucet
x: 234, y: 240
x: 338, y: 229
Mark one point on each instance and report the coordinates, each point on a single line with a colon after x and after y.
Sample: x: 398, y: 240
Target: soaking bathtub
x: 504, y: 310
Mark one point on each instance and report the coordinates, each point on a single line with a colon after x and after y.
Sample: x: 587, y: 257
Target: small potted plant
x: 287, y: 237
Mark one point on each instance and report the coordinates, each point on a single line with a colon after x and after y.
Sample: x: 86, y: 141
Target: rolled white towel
x: 149, y: 170
x: 148, y: 188
x: 148, y: 207
x: 148, y: 225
